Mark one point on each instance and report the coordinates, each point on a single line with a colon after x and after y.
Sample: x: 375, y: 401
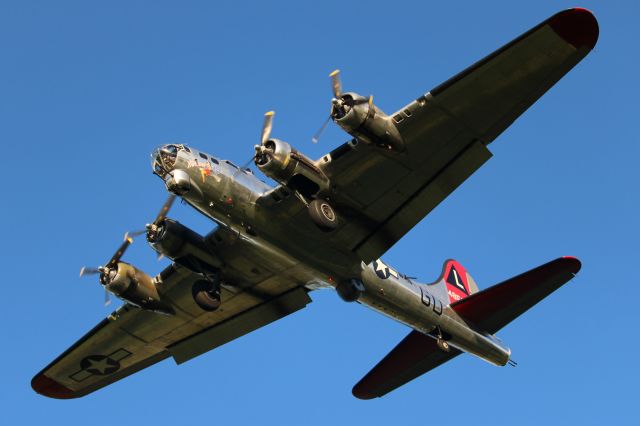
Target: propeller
x: 108, y: 271
x: 260, y: 149
x: 336, y: 83
x: 316, y: 137
x: 266, y: 126
x: 152, y: 228
x: 340, y: 104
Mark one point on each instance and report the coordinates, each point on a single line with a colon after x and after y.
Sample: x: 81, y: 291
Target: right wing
x: 131, y: 338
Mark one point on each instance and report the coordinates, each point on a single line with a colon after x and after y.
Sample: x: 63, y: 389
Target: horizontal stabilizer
x: 495, y: 307
x: 415, y: 355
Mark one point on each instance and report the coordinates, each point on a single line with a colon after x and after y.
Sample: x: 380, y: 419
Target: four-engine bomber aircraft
x: 326, y: 224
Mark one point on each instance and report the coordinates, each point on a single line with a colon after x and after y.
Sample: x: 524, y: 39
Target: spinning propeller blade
x: 162, y: 214
x: 89, y: 271
x: 336, y: 84
x: 266, y: 134
x: 316, y: 137
x: 118, y: 254
x: 165, y: 209
x: 266, y: 127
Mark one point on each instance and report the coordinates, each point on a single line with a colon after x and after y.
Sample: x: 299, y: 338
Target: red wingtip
x: 49, y: 387
x: 577, y: 27
x: 574, y: 262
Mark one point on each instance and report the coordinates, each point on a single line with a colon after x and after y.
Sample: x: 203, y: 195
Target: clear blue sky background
x: 88, y: 89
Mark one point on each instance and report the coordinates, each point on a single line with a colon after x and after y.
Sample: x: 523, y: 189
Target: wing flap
x: 419, y: 203
x: 233, y: 328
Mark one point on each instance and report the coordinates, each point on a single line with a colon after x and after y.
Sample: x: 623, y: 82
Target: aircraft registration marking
x: 430, y: 301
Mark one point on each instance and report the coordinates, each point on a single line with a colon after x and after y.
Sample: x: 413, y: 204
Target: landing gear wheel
x: 207, y: 294
x: 323, y: 215
x: 443, y: 345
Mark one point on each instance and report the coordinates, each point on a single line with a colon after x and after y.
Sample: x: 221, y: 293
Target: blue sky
x: 88, y: 89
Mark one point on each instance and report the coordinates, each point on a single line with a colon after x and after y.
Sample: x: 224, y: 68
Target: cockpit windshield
x: 163, y: 159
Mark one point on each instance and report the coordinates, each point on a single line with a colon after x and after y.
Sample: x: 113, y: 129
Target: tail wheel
x: 443, y: 345
x: 323, y: 215
x: 206, y: 294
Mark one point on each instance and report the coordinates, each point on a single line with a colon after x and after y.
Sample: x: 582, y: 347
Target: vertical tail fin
x: 457, y: 281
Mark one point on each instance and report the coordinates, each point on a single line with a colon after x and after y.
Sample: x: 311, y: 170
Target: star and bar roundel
x: 383, y: 271
x: 100, y: 365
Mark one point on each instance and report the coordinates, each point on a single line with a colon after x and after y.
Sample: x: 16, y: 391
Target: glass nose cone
x: 163, y: 159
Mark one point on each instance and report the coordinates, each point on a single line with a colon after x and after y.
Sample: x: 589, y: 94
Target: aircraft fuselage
x: 227, y: 194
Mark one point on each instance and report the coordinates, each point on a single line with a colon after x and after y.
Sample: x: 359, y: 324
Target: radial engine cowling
x: 282, y: 163
x: 184, y: 246
x: 359, y: 117
x: 131, y: 284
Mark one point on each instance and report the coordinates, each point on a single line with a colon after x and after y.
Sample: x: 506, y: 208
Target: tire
x: 443, y: 345
x: 323, y: 215
x: 206, y: 294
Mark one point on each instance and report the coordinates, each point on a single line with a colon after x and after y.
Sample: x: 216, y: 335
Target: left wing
x: 131, y: 338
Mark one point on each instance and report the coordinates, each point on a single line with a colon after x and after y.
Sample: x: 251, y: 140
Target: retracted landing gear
x: 323, y: 215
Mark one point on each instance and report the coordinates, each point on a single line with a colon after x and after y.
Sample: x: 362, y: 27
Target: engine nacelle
x: 282, y: 163
x: 359, y: 117
x: 131, y: 284
x: 184, y: 246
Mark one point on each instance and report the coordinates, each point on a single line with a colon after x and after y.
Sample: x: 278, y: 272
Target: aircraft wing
x: 382, y: 194
x: 131, y: 338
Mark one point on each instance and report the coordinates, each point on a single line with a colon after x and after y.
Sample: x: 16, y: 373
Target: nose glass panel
x: 163, y: 159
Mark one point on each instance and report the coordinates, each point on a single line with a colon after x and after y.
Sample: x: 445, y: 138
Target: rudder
x: 457, y: 281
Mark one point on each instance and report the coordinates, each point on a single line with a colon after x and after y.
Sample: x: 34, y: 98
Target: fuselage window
x: 204, y: 157
x: 231, y: 164
x: 214, y: 161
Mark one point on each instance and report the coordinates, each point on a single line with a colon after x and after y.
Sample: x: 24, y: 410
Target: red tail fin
x: 458, y: 282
